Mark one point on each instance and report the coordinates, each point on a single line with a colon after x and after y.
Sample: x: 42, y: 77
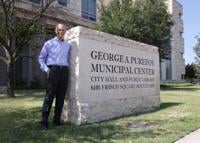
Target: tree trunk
x: 10, y: 79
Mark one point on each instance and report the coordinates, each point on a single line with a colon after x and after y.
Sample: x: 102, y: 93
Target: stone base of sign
x: 110, y: 77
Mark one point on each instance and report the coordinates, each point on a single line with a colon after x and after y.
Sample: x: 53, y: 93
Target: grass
x: 178, y: 115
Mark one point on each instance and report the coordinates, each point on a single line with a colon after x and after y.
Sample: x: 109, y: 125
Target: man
x: 54, y: 60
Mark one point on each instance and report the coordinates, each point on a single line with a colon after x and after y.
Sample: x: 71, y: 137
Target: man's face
x: 60, y: 31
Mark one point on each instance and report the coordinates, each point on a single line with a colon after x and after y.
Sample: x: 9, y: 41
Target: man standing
x: 54, y: 60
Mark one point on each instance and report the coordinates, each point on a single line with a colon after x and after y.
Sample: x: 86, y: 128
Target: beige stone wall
x: 110, y: 77
x: 177, y: 44
x: 56, y: 13
x: 178, y: 62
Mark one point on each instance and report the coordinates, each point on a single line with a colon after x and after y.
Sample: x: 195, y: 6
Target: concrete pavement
x: 193, y: 137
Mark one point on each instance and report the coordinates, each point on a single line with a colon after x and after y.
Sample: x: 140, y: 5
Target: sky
x: 191, y: 21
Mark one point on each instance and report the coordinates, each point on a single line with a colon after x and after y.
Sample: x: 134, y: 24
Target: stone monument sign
x: 110, y: 77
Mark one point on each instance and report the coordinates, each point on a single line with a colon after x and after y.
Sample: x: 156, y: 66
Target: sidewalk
x: 193, y: 137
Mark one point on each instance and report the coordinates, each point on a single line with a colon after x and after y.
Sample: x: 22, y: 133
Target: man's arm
x: 42, y: 58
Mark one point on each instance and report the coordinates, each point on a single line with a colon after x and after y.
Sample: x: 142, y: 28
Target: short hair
x: 59, y: 24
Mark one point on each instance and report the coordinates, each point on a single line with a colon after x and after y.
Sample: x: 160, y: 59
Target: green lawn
x: 178, y: 115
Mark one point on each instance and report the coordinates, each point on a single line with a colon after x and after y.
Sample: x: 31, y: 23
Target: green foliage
x: 20, y: 83
x: 190, y: 72
x: 196, y: 49
x: 197, y: 72
x: 142, y: 20
x: 16, y: 34
x: 35, y: 83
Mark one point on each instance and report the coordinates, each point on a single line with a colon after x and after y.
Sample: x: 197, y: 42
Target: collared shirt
x: 54, y: 52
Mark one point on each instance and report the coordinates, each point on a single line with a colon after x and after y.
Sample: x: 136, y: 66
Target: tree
x: 196, y: 49
x: 190, y: 72
x: 142, y: 20
x: 197, y: 71
x: 16, y: 31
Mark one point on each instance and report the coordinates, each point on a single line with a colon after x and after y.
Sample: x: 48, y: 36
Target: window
x: 181, y: 34
x: 182, y: 55
x: 36, y: 1
x: 180, y: 14
x: 89, y: 9
x: 62, y: 2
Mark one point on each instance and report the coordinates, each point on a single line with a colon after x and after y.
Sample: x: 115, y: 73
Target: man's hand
x: 48, y: 71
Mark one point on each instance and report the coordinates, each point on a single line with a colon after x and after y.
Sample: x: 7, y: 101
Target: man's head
x: 60, y: 31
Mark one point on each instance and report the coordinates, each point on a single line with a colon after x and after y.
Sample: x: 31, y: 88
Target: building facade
x: 173, y: 69
x: 70, y: 12
x: 85, y: 13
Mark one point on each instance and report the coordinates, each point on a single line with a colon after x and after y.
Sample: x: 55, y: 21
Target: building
x: 70, y: 12
x: 173, y: 69
x: 85, y: 13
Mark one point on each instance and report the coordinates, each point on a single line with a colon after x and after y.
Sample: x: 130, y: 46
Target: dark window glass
x: 62, y: 2
x: 35, y: 1
x: 88, y: 10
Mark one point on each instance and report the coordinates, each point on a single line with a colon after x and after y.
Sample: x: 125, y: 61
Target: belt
x: 57, y: 67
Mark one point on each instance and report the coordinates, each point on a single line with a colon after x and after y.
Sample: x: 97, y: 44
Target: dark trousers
x: 56, y: 87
